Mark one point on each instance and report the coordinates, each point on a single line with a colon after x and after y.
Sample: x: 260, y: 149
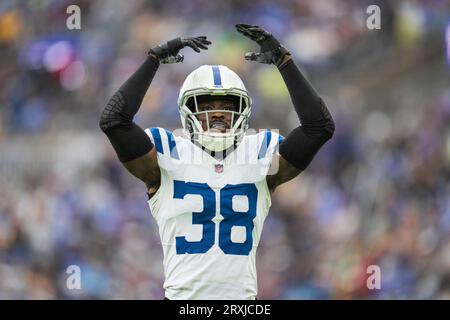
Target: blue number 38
x: 231, y: 218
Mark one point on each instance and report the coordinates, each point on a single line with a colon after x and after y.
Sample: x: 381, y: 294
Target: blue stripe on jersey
x: 280, y: 140
x: 157, y: 139
x: 265, y: 145
x: 216, y: 75
x: 172, y: 145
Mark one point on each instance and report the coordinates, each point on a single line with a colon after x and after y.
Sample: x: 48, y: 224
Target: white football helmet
x: 220, y: 81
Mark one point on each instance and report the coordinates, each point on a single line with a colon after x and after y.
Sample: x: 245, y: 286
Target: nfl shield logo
x: 218, y: 168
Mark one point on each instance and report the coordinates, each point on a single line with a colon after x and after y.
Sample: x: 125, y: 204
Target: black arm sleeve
x: 317, y: 125
x: 128, y: 139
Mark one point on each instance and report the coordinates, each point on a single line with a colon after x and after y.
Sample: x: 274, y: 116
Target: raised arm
x: 317, y: 126
x: 132, y: 145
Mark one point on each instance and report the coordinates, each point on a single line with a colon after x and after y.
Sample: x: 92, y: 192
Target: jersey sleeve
x: 268, y: 144
x: 166, y: 146
x: 268, y: 150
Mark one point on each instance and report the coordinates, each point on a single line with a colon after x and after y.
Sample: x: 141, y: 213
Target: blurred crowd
x: 377, y: 194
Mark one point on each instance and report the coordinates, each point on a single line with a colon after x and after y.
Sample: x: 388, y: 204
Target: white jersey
x: 210, y: 214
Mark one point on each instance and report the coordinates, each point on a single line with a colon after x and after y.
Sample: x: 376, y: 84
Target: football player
x: 210, y: 188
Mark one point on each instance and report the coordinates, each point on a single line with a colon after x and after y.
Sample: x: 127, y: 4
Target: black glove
x: 271, y: 51
x: 168, y: 52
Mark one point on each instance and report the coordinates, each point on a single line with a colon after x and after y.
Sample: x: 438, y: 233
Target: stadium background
x: 378, y: 193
